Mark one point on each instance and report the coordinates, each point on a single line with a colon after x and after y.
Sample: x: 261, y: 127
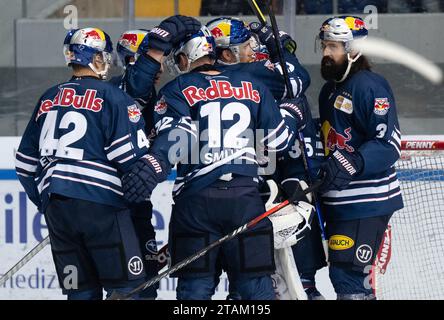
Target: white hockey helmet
x: 194, y: 47
x: 344, y: 29
x: 85, y: 44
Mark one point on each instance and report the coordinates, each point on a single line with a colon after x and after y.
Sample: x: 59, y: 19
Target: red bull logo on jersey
x: 161, y: 106
x: 382, y: 105
x: 261, y: 56
x: 67, y: 97
x: 337, y: 140
x: 221, y: 90
x: 134, y: 113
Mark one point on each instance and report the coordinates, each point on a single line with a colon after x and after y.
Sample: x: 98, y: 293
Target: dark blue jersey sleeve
x: 378, y: 117
x: 27, y: 159
x: 176, y: 134
x: 270, y: 74
x: 298, y: 75
x: 278, y: 124
x: 124, y: 130
x: 138, y: 79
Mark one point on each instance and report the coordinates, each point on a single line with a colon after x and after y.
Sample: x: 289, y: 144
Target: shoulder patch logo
x: 382, y: 105
x: 134, y: 113
x: 344, y: 104
x: 161, y: 106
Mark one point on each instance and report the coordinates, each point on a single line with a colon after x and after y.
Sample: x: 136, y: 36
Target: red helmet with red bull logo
x: 128, y: 44
x: 85, y: 44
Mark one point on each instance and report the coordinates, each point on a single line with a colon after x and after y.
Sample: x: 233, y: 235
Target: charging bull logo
x: 93, y: 34
x: 134, y: 113
x: 359, y: 24
x: 129, y: 39
x: 382, y: 106
x: 217, y: 32
x: 336, y: 140
x: 355, y: 23
x: 222, y: 29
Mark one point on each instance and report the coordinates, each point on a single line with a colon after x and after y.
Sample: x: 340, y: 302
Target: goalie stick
x: 202, y: 252
x: 24, y: 260
x: 255, y: 7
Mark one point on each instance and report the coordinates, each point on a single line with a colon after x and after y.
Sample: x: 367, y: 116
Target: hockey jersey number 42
x: 83, y: 135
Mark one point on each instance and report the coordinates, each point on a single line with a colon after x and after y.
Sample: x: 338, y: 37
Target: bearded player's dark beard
x: 331, y: 71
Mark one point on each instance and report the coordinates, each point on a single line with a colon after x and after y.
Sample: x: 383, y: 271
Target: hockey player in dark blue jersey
x: 83, y: 135
x: 362, y: 142
x: 207, y: 123
x: 130, y: 46
x: 143, y: 67
x: 236, y: 49
x: 308, y: 250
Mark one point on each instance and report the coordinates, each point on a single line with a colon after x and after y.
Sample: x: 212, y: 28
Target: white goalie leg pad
x: 286, y: 282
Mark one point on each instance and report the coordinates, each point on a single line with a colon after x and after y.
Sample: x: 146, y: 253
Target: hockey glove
x: 265, y: 34
x: 171, y: 32
x: 299, y: 111
x: 290, y: 185
x: 291, y: 223
x: 142, y: 178
x: 339, y: 169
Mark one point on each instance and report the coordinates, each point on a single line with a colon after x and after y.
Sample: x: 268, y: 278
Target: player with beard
x: 362, y: 142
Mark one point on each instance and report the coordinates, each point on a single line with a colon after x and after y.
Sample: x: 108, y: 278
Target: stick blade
x: 381, y: 48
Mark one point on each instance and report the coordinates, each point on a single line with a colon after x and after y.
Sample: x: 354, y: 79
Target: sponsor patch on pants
x: 340, y: 242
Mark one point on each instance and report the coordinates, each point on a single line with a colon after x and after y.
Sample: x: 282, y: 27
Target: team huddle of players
x: 94, y: 150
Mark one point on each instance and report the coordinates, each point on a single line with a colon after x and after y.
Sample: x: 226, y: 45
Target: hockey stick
x: 24, y: 260
x: 202, y: 252
x: 257, y: 11
x: 274, y: 28
x: 391, y: 51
